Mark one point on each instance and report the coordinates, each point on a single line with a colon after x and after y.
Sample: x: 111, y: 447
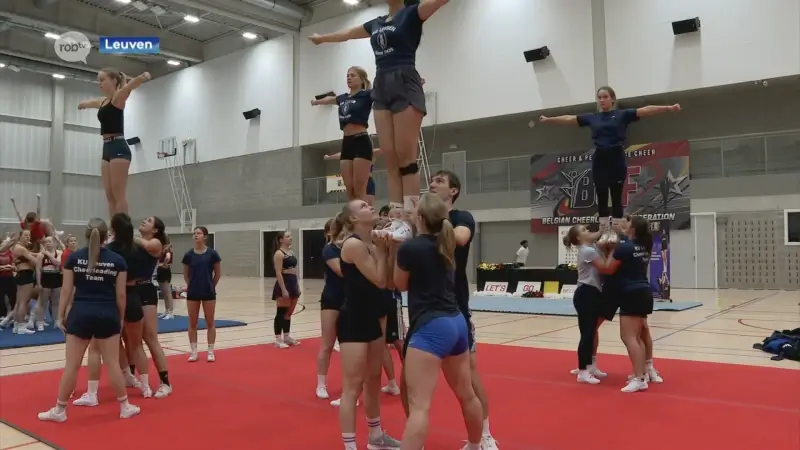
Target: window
x: 791, y: 226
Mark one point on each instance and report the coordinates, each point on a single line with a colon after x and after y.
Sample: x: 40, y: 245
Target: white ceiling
x: 23, y: 24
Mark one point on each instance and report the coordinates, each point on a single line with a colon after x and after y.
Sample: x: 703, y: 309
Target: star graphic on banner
x: 643, y: 179
x: 675, y: 183
x: 544, y: 192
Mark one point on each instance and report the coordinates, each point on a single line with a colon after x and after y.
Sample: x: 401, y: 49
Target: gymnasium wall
x: 48, y: 147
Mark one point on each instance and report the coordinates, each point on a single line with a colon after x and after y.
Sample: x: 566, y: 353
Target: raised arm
x: 427, y: 8
x: 357, y: 32
x: 652, y: 110
x: 560, y: 120
x: 153, y: 247
x: 122, y: 95
x: 94, y: 103
x: 16, y: 210
x: 329, y: 100
x: 9, y: 242
x: 39, y: 205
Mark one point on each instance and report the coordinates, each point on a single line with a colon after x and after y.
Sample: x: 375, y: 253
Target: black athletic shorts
x: 392, y: 319
x: 25, y: 277
x: 356, y: 146
x: 637, y: 303
x: 163, y: 275
x: 93, y: 320
x: 148, y: 293
x: 357, y: 326
x: 333, y: 302
x: 133, y: 305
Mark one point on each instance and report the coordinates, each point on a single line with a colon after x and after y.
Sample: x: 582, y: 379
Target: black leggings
x: 587, y: 301
x: 8, y: 288
x: 609, y: 171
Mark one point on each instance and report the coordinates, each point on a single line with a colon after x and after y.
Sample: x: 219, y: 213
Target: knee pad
x: 410, y: 169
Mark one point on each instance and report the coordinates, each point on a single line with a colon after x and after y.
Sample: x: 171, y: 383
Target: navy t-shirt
x: 99, y: 284
x: 462, y: 219
x: 431, y: 285
x: 395, y: 41
x: 355, y: 108
x: 632, y: 272
x: 609, y: 128
x: 141, y: 264
x: 610, y: 281
x: 201, y: 272
x: 334, y: 285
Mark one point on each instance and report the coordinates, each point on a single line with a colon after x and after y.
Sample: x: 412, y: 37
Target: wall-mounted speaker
x: 252, y: 114
x: 537, y: 54
x: 133, y: 141
x: 327, y: 94
x: 686, y: 26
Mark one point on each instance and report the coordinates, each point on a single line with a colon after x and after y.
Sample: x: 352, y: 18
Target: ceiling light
x: 52, y: 36
x: 173, y: 62
x: 352, y: 2
x: 124, y: 2
x: 2, y: 65
x: 249, y: 35
x: 191, y: 19
x: 159, y: 11
x: 13, y: 68
x: 58, y: 76
x: 141, y: 6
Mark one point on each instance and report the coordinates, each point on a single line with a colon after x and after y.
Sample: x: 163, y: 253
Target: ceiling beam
x: 69, y: 15
x: 207, y: 7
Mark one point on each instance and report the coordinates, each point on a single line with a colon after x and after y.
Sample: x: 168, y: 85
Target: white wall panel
x: 27, y: 95
x: 24, y: 145
x: 471, y: 57
x: 82, y: 152
x: 205, y: 102
x: 739, y: 41
x: 23, y: 185
x: 83, y: 198
x: 74, y: 93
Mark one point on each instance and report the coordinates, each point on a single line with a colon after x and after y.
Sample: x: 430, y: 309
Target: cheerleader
x: 202, y: 271
x: 331, y: 301
x: 286, y: 291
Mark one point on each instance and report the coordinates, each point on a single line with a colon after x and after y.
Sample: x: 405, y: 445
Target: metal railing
x: 759, y: 154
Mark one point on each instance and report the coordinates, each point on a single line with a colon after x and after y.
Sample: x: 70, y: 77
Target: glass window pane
x: 310, y: 191
x: 494, y: 176
x: 472, y: 185
x: 520, y: 172
x: 783, y: 153
x: 705, y: 159
x: 743, y: 157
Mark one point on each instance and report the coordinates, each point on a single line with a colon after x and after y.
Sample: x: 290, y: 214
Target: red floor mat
x: 263, y: 398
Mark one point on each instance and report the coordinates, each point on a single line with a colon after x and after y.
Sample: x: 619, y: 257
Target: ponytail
x: 366, y: 84
x: 94, y: 248
x: 446, y: 244
x: 572, y: 237
x: 566, y: 241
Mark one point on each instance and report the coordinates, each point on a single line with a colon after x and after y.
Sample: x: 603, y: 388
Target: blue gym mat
x: 548, y: 307
x: 53, y: 335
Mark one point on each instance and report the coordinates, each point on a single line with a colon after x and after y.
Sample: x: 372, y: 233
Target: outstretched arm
x: 560, y: 120
x: 91, y: 104
x: 652, y: 110
x: 39, y: 205
x: 427, y: 8
x: 122, y: 95
x: 330, y: 100
x: 357, y: 32
x: 16, y: 210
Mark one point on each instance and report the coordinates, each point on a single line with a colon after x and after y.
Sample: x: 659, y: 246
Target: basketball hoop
x: 161, y: 155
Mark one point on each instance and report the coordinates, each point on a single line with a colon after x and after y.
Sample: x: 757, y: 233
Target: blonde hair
x: 363, y: 75
x: 96, y: 233
x: 435, y: 217
x: 120, y: 79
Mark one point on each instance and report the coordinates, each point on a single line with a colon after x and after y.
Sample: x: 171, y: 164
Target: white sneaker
x: 400, y: 230
x: 653, y: 376
x: 193, y: 356
x: 322, y: 393
x: 86, y: 399
x: 634, y: 385
x: 593, y: 370
x: 22, y: 329
x: 391, y: 390
x: 210, y: 357
x: 147, y: 392
x: 60, y: 234
x: 280, y: 344
x: 338, y: 402
x: 168, y: 316
x: 488, y: 443
x: 39, y: 326
x: 584, y: 376
x: 132, y: 381
x: 288, y: 340
x: 336, y: 347
x: 53, y: 415
x: 126, y: 410
x: 6, y: 321
x: 163, y: 391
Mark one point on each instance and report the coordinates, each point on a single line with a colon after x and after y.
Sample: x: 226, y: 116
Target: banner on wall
x: 334, y: 183
x: 659, y: 260
x: 657, y: 187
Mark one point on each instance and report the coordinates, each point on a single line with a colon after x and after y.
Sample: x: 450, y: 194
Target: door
x: 705, y: 240
x: 313, y: 266
x: 268, y: 252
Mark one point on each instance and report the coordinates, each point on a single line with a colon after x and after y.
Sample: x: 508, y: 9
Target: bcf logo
x: 73, y: 47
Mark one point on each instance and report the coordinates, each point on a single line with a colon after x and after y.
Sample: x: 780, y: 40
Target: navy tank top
x: 289, y: 261
x: 360, y: 295
x: 112, y: 119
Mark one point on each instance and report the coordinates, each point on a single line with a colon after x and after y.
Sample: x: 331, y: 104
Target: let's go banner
x: 657, y: 187
x: 127, y: 45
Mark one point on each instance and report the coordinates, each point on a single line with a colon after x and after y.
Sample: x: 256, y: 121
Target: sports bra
x: 112, y: 119
x: 289, y: 261
x: 49, y: 266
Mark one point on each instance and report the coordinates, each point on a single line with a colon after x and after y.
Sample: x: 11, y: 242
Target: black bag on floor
x: 783, y: 344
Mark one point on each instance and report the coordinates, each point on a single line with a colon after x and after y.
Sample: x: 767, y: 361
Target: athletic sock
x: 193, y: 347
x: 61, y: 406
x: 349, y: 440
x: 94, y: 386
x: 322, y: 380
x: 164, y: 377
x: 486, y: 431
x: 375, y: 430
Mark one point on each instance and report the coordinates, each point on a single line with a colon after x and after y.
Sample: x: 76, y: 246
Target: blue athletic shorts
x: 442, y: 336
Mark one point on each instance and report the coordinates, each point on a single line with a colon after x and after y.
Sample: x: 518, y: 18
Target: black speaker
x: 537, y: 54
x: 686, y: 26
x: 327, y: 94
x: 252, y: 114
x: 133, y: 141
